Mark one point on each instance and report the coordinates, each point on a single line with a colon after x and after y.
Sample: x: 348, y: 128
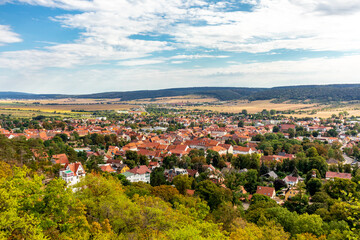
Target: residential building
x: 266, y: 191
x: 139, y: 174
x: 72, y: 173
x: 61, y: 159
x: 332, y: 175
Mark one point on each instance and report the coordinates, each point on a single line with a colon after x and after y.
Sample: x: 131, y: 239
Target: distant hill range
x: 336, y: 92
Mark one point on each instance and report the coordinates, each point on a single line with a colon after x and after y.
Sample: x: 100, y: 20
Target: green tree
x: 309, y: 224
x: 211, y: 193
x: 313, y: 185
x: 143, y: 160
x: 182, y: 182
x: 212, y: 157
x: 170, y: 161
x: 92, y: 164
x: 157, y: 177
x: 340, y: 188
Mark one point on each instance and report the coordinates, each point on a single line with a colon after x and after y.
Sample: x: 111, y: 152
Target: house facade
x: 72, y: 173
x: 291, y: 181
x: 139, y: 174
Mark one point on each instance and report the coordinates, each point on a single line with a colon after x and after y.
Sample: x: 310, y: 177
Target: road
x: 348, y: 160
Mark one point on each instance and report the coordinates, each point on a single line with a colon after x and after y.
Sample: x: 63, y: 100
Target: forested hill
x: 339, y: 92
x: 221, y: 93
x: 22, y: 95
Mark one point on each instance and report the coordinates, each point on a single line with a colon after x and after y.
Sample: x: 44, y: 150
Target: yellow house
x: 123, y: 168
x: 291, y: 192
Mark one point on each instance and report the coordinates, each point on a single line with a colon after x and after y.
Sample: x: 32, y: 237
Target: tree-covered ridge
x: 221, y: 93
x: 337, y: 92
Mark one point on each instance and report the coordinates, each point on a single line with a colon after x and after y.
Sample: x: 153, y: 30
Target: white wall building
x: 72, y: 173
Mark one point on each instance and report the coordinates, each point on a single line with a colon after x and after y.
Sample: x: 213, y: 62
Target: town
x: 179, y: 119
x: 220, y: 157
x: 134, y: 144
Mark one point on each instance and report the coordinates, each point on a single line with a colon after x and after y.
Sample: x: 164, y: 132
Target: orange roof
x: 60, y: 158
x: 242, y: 149
x: 190, y: 192
x: 140, y: 170
x: 74, y: 167
x: 267, y: 191
x: 107, y: 168
x: 217, y: 148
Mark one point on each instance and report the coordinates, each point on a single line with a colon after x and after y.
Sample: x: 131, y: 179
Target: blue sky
x: 85, y: 46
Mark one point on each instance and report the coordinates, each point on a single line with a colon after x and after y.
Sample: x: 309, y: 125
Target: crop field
x: 60, y: 106
x: 177, y: 99
x: 254, y: 107
x: 62, y: 101
x: 69, y: 107
x: 325, y: 111
x: 27, y: 113
x: 76, y: 107
x: 301, y: 109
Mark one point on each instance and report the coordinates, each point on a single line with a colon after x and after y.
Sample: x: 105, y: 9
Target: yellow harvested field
x: 254, y: 107
x: 328, y: 113
x: 64, y: 101
x: 31, y: 113
x: 69, y: 107
x: 177, y: 99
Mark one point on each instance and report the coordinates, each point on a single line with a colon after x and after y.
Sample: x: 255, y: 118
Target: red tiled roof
x: 291, y: 179
x: 74, y: 167
x: 60, y: 158
x: 338, y: 175
x: 267, y: 191
x: 140, y: 170
x: 107, y: 168
x: 190, y: 192
x: 191, y: 172
x: 242, y: 149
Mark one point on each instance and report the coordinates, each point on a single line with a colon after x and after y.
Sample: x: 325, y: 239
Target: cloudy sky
x: 86, y: 46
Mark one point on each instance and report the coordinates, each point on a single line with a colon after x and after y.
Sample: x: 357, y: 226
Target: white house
x: 138, y: 174
x: 290, y: 180
x: 243, y: 150
x: 72, y: 173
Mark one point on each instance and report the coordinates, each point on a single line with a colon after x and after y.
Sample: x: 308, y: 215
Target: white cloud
x: 274, y: 24
x: 108, y: 26
x: 7, y: 36
x: 278, y: 73
x: 333, y: 7
x: 138, y: 62
x: 178, y: 62
x: 197, y: 56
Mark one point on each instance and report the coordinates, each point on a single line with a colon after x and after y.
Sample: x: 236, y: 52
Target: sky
x: 90, y: 46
